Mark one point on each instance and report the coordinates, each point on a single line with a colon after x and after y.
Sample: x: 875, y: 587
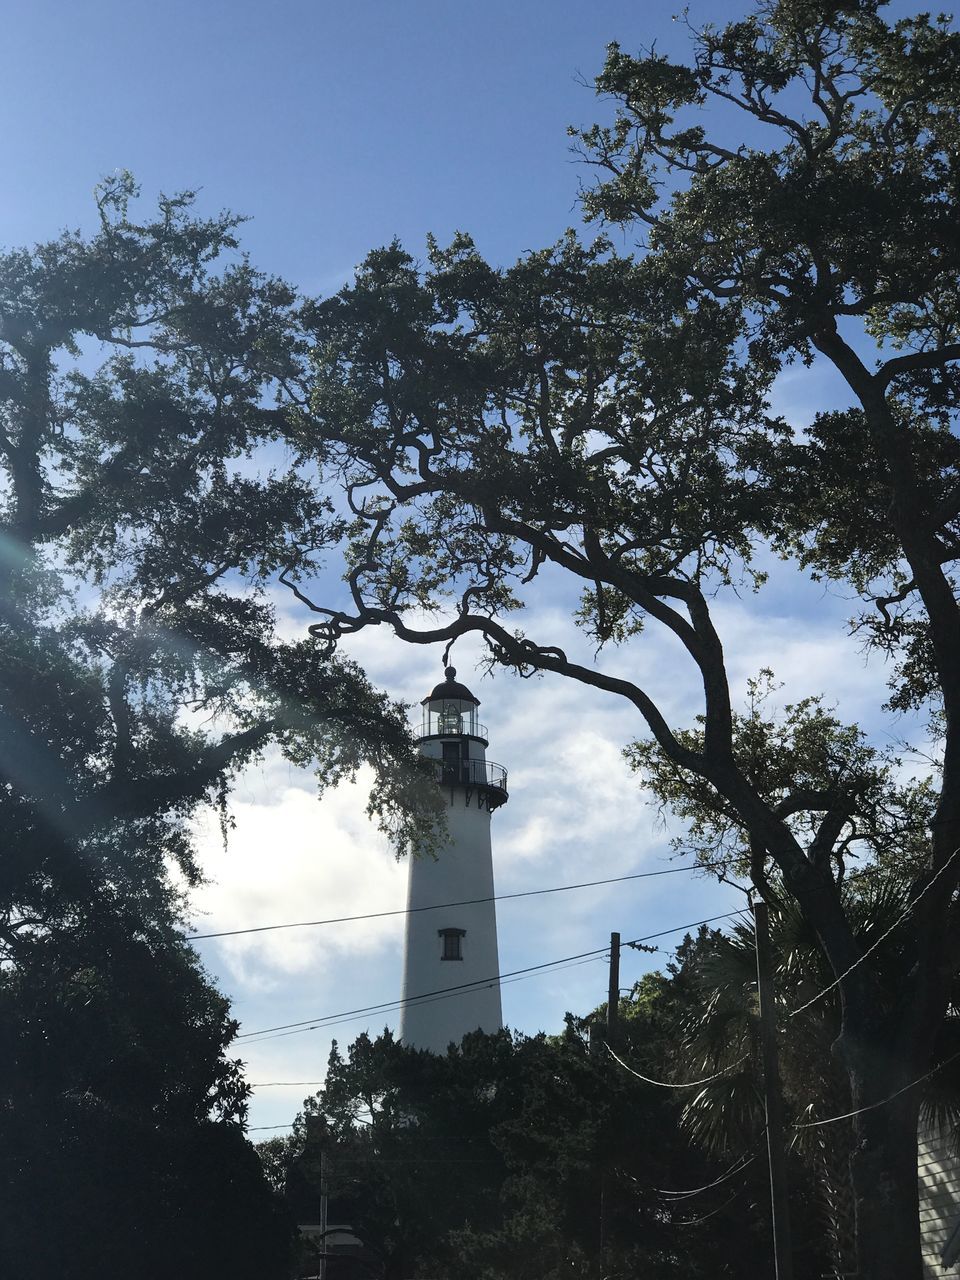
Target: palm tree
x: 717, y: 1040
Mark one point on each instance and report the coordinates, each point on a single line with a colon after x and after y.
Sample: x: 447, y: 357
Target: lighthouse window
x: 451, y: 943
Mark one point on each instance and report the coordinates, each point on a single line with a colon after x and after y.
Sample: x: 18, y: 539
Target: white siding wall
x: 939, y: 1174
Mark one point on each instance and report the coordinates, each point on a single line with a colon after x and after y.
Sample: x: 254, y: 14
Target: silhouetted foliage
x: 515, y: 1158
x: 793, y: 186
x: 145, y: 376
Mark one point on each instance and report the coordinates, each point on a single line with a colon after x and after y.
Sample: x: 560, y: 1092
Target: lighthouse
x: 451, y: 967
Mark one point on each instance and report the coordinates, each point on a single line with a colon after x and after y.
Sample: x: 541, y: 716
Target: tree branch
x: 917, y: 360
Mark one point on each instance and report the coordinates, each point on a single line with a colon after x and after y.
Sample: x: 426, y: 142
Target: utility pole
x: 613, y: 991
x: 613, y: 1015
x: 776, y: 1153
x: 323, y: 1218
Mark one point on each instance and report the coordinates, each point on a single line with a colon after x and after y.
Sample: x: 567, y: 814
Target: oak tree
x: 794, y: 188
x: 146, y: 372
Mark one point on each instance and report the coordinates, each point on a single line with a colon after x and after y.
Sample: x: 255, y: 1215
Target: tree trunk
x: 836, y: 1197
x: 883, y: 1170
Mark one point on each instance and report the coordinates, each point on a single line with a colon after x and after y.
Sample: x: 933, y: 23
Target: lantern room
x: 451, y: 734
x: 450, y: 710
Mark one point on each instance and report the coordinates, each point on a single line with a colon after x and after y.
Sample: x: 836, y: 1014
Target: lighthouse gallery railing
x: 471, y: 773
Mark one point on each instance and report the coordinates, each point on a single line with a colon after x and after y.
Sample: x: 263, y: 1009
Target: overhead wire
x: 810, y: 1124
x: 695, y: 1222
x: 260, y: 1037
x: 886, y: 933
x: 738, y: 1166
x: 441, y: 906
x: 376, y: 1158
x: 677, y: 1196
x: 873, y: 1106
x: 336, y: 1020
x: 666, y: 1084
x: 311, y: 1024
x: 282, y: 1084
x: 585, y: 957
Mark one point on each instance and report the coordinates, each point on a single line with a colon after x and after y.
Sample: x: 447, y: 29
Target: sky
x: 335, y: 127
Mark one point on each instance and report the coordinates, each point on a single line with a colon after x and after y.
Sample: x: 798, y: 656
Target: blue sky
x: 335, y: 127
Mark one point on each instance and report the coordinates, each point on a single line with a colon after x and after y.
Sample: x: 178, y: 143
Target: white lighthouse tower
x: 450, y: 946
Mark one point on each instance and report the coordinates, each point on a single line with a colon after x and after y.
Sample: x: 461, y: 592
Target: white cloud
x: 291, y: 857
x: 575, y: 814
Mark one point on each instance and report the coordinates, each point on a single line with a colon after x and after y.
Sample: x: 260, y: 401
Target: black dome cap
x: 450, y: 689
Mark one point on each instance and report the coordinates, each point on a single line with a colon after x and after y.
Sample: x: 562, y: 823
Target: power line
x: 886, y: 933
x: 282, y: 1084
x: 312, y: 1024
x: 677, y: 1196
x: 427, y: 997
x: 685, y: 1084
x: 695, y: 1222
x: 442, y: 906
x: 742, y: 1162
x: 260, y: 1037
x: 375, y: 1158
x: 815, y: 1124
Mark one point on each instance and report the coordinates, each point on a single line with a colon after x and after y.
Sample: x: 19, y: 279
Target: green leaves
x: 605, y: 419
x: 842, y: 798
x: 493, y: 1157
x: 823, y: 184
x: 476, y: 414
